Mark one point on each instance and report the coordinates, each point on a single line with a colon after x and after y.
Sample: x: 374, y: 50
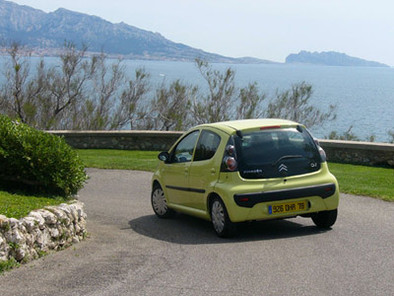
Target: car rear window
x: 277, y: 153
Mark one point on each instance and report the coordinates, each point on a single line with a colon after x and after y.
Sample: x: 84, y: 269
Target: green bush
x: 37, y: 161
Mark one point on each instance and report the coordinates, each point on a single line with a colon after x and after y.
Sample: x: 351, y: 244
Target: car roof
x: 249, y: 124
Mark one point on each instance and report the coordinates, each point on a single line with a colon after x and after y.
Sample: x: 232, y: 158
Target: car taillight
x: 230, y: 163
x: 230, y: 150
x: 323, y: 155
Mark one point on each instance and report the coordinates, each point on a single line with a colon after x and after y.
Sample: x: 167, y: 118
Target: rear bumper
x: 249, y: 200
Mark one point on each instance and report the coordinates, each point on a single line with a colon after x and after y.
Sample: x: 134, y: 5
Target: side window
x: 206, y: 146
x: 184, y: 150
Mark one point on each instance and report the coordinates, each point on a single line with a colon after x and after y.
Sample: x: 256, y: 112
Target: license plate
x: 287, y: 207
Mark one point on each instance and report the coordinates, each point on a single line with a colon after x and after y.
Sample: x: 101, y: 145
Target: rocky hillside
x: 47, y: 32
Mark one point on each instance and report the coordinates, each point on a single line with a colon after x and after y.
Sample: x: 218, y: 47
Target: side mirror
x: 164, y: 156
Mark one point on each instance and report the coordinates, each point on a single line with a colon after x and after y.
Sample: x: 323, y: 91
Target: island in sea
x: 45, y: 35
x: 329, y: 58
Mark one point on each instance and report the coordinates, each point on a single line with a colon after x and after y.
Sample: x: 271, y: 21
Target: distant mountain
x: 47, y: 33
x: 329, y: 58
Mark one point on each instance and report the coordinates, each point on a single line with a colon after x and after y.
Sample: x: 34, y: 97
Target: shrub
x: 37, y: 161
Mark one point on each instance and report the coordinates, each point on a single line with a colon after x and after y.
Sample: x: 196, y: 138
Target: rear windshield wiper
x: 286, y: 157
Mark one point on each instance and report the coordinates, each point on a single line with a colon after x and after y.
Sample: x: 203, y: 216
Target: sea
x: 364, y: 96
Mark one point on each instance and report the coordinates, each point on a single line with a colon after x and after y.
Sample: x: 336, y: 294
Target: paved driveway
x: 131, y: 252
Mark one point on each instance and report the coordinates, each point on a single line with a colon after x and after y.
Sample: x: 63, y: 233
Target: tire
x: 159, y: 203
x: 220, y: 221
x: 325, y: 219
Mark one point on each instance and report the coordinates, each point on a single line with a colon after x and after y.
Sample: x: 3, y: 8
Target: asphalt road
x: 131, y: 252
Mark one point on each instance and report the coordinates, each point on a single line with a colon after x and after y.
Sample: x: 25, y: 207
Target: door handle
x: 213, y: 171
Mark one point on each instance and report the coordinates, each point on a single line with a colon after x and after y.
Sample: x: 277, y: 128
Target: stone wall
x: 51, y: 228
x: 365, y: 153
x: 337, y: 151
x: 125, y: 140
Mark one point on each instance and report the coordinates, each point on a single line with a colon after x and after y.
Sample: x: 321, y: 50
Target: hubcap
x: 218, y: 217
x: 159, y: 202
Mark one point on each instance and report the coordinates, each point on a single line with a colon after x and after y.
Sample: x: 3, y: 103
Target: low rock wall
x: 125, y: 140
x: 51, y: 228
x: 365, y: 153
x: 337, y: 151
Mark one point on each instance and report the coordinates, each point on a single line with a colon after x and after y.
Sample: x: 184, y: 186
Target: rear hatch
x: 276, y: 152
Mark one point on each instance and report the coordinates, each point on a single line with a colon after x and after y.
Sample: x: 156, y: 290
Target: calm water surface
x: 364, y: 96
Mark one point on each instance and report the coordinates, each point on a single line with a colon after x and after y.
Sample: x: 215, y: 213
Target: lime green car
x: 246, y: 170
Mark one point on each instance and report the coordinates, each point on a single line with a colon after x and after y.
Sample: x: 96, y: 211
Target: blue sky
x: 259, y: 28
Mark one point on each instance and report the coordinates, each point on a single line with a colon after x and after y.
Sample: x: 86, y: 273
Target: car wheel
x: 325, y: 219
x: 220, y: 221
x: 159, y: 203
